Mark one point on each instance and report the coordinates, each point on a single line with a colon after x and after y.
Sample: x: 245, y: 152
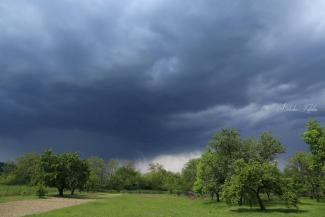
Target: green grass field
x: 126, y: 205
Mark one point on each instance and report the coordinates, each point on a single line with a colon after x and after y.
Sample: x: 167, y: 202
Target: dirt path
x: 27, y: 207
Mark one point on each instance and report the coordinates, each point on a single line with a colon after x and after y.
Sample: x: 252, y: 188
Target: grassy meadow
x: 147, y: 205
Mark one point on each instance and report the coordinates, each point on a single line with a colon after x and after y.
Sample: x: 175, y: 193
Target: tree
x: 52, y: 171
x: 265, y: 149
x: 1, y: 167
x: 154, y: 179
x: 126, y: 178
x: 8, y: 173
x: 173, y: 183
x: 112, y: 167
x: 251, y: 179
x: 268, y: 147
x: 314, y: 136
x: 78, y: 171
x: 227, y: 144
x: 188, y: 174
x: 300, y: 169
x: 26, y: 168
x: 64, y: 171
x: 211, y: 174
x: 98, y: 173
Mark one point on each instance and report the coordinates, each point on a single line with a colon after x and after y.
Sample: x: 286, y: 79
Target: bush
x: 41, y: 191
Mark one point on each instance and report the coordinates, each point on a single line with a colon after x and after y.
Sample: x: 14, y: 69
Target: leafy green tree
x: 78, y: 171
x: 268, y: 147
x: 52, y: 171
x: 1, y: 167
x: 248, y: 150
x: 64, y: 171
x: 126, y: 178
x: 300, y: 169
x: 8, y: 173
x: 251, y: 179
x: 227, y: 144
x: 111, y: 168
x: 98, y: 173
x: 211, y: 174
x: 173, y: 183
x: 223, y: 149
x: 314, y: 136
x: 226, y: 147
x: 26, y: 168
x: 155, y: 178
x: 188, y: 174
x: 265, y: 149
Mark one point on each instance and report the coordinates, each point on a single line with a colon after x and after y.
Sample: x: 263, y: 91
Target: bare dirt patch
x: 27, y: 207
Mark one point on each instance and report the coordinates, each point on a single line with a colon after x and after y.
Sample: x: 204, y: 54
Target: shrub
x: 41, y: 191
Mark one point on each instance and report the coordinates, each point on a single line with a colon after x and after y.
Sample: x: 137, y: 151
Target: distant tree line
x: 235, y: 170
x: 68, y: 172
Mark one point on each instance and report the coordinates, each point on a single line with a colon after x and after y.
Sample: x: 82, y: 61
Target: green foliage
x: 21, y: 172
x: 1, y: 167
x: 78, y: 171
x: 300, y: 169
x: 173, y: 183
x: 216, y: 165
x: 41, y: 191
x: 20, y: 190
x: 227, y: 144
x: 289, y: 193
x: 314, y: 136
x: 66, y: 171
x: 26, y: 170
x: 126, y: 177
x: 211, y: 174
x: 251, y: 179
x: 98, y: 174
x: 154, y: 179
x: 188, y: 174
x: 268, y: 147
x: 8, y: 175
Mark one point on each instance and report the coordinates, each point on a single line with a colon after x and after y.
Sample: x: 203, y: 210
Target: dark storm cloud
x: 139, y: 78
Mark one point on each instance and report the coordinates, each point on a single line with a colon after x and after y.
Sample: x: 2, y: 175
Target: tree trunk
x: 268, y: 195
x: 60, y: 192
x: 259, y: 200
x: 72, y: 191
x: 218, y: 197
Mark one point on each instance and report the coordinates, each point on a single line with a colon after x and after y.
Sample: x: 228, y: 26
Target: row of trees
x: 307, y: 169
x: 238, y: 171
x: 67, y: 171
x: 242, y: 171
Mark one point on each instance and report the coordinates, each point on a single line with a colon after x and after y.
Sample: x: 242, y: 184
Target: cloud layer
x: 140, y: 78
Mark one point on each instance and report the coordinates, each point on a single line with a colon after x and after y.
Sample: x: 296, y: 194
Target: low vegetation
x: 232, y: 170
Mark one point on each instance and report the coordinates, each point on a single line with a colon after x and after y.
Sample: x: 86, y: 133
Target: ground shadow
x: 270, y: 210
x: 77, y: 196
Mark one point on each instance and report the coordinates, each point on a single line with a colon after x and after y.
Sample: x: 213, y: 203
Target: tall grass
x: 19, y: 190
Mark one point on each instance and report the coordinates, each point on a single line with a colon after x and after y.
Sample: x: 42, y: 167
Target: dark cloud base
x: 137, y: 79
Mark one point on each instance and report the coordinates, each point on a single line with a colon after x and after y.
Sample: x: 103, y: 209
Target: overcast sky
x: 153, y: 79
